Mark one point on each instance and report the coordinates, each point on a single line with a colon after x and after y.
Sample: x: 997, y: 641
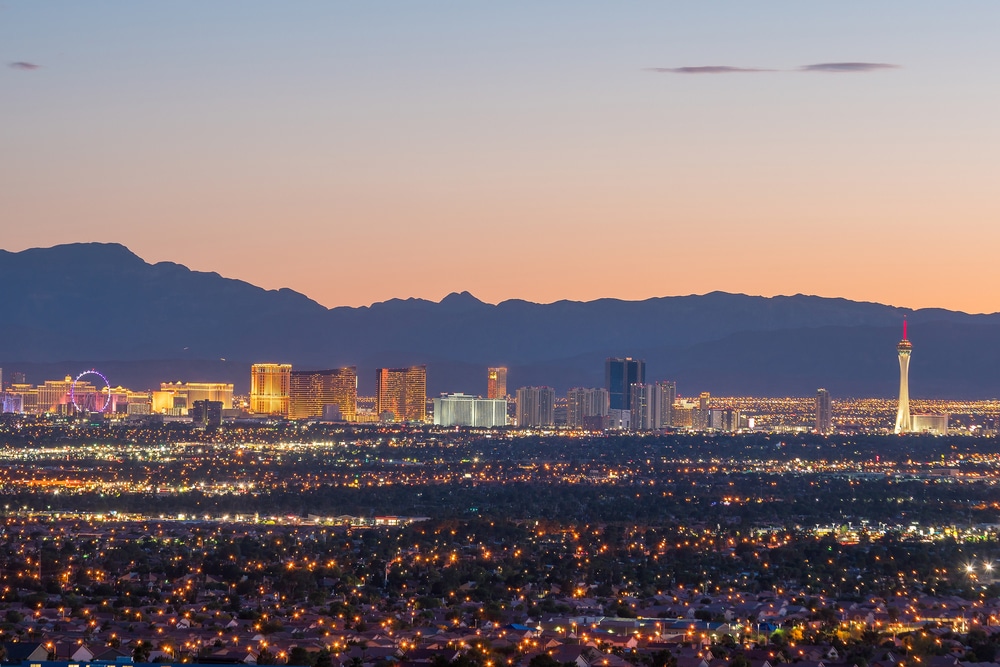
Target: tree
x: 299, y: 656
x: 662, y: 658
x: 323, y: 659
x: 140, y: 653
x: 870, y: 636
x: 543, y: 660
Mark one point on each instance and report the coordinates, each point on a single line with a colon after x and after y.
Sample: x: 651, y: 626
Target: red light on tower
x: 904, y: 328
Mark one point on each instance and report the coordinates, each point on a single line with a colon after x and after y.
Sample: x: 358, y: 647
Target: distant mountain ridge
x: 100, y: 303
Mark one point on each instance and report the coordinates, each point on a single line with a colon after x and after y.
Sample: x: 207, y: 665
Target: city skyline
x: 279, y: 391
x: 805, y: 137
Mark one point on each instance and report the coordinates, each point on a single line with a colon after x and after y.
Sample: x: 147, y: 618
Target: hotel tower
x: 903, y: 422
x: 496, y: 382
x: 401, y: 393
x: 269, y: 385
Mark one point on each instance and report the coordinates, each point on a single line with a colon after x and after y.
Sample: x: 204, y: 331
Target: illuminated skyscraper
x: 619, y: 376
x: 53, y: 396
x: 465, y: 410
x: 583, y: 404
x: 667, y: 398
x: 269, y: 387
x: 644, y: 403
x: 496, y: 382
x: 704, y: 406
x: 652, y: 405
x: 903, y: 348
x: 311, y: 391
x: 684, y: 414
x: 724, y: 419
x: 824, y: 412
x: 536, y: 407
x: 401, y: 393
x: 182, y: 395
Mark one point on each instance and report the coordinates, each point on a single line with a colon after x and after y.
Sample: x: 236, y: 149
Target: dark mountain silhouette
x: 69, y: 307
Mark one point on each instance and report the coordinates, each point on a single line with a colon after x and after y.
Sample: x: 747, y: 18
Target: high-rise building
x: 584, y: 404
x: 401, y: 393
x: 667, y: 398
x: 221, y: 392
x: 903, y: 349
x: 704, y: 405
x: 536, y: 407
x: 619, y: 376
x: 496, y: 382
x: 123, y: 401
x: 311, y: 391
x: 652, y: 406
x: 269, y: 388
x: 11, y: 402
x: 465, y: 410
x: 21, y: 397
x: 824, y: 412
x: 206, y: 413
x: 936, y: 424
x: 642, y: 401
x: 724, y: 419
x: 684, y: 414
x: 182, y: 395
x: 53, y: 395
x: 138, y: 402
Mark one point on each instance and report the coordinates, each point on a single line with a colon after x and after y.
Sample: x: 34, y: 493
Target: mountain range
x: 70, y: 307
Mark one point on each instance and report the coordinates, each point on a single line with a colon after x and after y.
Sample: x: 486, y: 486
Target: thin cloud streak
x: 708, y: 69
x: 20, y: 64
x: 846, y: 67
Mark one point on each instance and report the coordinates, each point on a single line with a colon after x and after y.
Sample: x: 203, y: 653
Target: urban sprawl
x: 619, y: 525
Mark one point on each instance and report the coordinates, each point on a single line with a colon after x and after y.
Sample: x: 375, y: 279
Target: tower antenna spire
x: 904, y: 422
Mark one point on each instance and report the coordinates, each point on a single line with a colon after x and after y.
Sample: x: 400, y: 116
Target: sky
x: 567, y: 149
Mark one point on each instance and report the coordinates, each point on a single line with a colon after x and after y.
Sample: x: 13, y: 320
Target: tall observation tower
x: 903, y: 348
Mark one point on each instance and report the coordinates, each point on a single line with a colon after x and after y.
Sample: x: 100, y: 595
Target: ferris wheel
x: 90, y: 392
